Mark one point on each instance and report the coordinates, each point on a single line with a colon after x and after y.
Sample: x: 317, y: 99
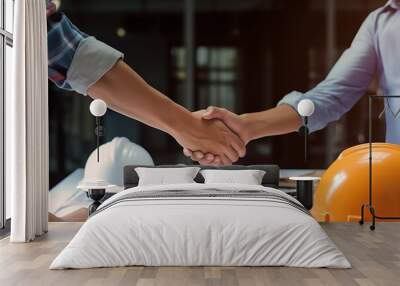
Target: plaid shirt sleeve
x: 63, y: 40
x: 75, y: 60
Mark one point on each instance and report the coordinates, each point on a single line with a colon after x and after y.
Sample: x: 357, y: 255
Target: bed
x: 199, y: 224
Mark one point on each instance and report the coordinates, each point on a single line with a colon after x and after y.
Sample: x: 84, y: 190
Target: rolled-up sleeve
x: 76, y: 61
x: 91, y: 61
x: 346, y: 83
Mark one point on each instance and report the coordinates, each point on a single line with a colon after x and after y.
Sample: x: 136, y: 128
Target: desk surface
x: 286, y: 173
x: 290, y: 186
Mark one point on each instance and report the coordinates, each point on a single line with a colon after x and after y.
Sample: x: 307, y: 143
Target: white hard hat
x: 114, y: 156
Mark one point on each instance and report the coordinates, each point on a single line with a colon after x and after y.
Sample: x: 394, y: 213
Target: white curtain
x: 27, y: 124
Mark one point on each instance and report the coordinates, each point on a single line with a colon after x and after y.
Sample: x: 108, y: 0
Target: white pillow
x: 166, y: 176
x: 246, y: 177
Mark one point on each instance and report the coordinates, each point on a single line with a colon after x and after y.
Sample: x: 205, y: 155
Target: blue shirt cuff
x: 292, y: 99
x: 91, y: 61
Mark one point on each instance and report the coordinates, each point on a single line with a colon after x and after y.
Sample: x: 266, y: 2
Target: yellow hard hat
x: 344, y: 186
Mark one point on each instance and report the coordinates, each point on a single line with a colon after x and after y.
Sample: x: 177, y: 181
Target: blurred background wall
x: 244, y: 55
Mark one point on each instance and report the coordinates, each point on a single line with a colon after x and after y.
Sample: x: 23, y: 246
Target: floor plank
x: 375, y: 257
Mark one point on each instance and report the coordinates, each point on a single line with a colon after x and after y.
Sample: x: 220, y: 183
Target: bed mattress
x: 201, y: 225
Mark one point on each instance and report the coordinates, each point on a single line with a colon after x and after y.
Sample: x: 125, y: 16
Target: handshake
x: 218, y: 137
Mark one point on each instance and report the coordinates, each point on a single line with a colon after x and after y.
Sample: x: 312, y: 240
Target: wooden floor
x: 375, y: 257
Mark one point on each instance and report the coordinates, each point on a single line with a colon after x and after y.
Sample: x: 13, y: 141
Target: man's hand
x: 233, y: 121
x: 127, y: 93
x: 211, y: 139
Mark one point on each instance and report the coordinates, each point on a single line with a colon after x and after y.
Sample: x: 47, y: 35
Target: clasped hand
x: 232, y: 127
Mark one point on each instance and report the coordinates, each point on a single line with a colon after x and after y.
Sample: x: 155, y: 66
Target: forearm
x: 126, y: 92
x: 345, y: 84
x: 276, y: 121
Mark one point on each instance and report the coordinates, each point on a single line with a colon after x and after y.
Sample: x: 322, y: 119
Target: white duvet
x: 200, y: 231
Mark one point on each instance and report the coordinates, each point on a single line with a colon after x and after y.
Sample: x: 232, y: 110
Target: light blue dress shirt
x: 375, y: 49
